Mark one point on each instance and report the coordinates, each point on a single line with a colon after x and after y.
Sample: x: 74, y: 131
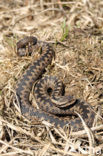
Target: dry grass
x: 77, y: 26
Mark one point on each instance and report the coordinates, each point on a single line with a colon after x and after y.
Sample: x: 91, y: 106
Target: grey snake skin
x: 53, y: 106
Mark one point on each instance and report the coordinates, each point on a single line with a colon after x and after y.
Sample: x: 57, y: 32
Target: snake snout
x: 21, y: 52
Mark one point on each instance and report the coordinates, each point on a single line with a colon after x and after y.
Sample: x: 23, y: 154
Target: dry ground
x: 74, y: 27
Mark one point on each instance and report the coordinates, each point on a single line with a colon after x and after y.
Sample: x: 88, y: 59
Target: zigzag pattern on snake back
x: 53, y: 106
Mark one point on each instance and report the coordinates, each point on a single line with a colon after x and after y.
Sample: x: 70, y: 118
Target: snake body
x: 51, y: 106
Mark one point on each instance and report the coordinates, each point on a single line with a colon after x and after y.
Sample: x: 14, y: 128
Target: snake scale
x: 53, y: 105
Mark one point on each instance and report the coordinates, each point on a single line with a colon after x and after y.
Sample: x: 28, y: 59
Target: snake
x: 55, y: 107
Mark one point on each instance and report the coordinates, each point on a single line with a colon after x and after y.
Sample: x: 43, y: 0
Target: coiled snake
x: 53, y: 106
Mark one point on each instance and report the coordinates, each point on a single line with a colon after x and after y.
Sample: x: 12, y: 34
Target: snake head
x: 24, y: 45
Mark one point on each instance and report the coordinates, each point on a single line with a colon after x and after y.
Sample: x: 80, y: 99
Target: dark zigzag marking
x: 37, y: 67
